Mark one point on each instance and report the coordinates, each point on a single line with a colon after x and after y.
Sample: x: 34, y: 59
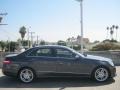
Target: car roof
x: 52, y: 46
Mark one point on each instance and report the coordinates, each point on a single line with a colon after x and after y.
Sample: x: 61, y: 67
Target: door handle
x: 60, y: 63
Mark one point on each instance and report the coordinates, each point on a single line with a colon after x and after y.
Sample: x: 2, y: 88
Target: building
x: 85, y: 40
x: 73, y: 41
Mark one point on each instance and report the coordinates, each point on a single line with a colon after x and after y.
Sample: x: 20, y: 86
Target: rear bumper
x: 6, y: 70
x: 9, y: 73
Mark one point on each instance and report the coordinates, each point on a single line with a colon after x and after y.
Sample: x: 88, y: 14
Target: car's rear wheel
x: 101, y: 74
x: 26, y: 75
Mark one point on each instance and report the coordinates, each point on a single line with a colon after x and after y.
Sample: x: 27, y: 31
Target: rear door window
x: 41, y: 52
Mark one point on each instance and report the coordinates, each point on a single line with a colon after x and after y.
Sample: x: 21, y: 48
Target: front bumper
x: 113, y: 72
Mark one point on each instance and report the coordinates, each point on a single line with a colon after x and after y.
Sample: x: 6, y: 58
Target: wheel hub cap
x: 26, y: 75
x: 101, y: 74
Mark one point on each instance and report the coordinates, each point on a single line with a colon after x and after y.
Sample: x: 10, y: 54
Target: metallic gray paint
x: 56, y: 66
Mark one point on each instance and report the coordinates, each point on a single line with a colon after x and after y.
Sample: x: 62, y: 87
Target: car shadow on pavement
x: 61, y: 83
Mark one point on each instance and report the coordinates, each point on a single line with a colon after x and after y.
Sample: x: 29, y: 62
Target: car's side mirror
x: 85, y: 54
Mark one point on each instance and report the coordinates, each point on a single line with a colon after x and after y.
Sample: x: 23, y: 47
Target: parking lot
x: 60, y: 83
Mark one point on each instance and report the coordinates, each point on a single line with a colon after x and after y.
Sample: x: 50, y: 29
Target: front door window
x: 63, y: 53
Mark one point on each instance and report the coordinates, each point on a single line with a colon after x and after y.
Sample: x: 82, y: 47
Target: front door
x: 67, y: 63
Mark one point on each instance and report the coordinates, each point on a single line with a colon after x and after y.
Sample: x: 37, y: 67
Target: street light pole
x: 81, y: 21
x: 31, y: 33
x: 28, y: 33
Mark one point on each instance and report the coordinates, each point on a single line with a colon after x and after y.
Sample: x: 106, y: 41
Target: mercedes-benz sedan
x: 57, y: 61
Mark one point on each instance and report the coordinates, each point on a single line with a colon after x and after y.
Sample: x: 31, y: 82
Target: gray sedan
x: 57, y: 61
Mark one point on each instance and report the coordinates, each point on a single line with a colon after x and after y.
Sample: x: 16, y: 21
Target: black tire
x: 102, y: 76
x: 26, y: 75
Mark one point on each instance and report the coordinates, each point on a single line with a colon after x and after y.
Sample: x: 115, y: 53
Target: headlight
x: 111, y: 63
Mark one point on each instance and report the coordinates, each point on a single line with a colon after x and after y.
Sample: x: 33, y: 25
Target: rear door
x: 42, y: 60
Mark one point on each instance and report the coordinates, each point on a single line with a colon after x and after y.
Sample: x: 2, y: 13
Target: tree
x: 112, y: 30
x: 11, y: 46
x: 42, y: 42
x: 25, y: 42
x: 116, y: 27
x: 107, y: 32
x: 105, y: 47
x: 111, y: 33
x: 22, y: 31
x: 60, y: 42
x: 109, y: 41
x: 96, y: 41
x: 2, y: 45
x: 116, y: 31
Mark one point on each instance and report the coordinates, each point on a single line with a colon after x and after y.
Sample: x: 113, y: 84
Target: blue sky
x: 55, y: 20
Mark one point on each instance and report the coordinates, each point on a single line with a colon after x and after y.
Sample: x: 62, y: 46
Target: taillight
x: 7, y: 62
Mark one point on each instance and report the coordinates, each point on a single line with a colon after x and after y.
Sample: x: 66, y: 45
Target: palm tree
x: 113, y: 26
x: 22, y: 31
x: 116, y: 27
x: 107, y: 32
x: 111, y: 33
x: 116, y: 31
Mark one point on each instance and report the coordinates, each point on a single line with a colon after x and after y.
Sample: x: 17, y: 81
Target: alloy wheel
x: 26, y: 75
x: 101, y: 74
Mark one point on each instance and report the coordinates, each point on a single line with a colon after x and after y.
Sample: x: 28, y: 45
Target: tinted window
x: 64, y: 53
x: 41, y: 52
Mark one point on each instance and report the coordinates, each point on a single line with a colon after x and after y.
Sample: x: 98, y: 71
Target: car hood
x: 97, y: 58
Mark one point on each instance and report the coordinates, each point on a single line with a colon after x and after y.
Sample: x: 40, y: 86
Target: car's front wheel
x: 101, y: 74
x: 26, y: 75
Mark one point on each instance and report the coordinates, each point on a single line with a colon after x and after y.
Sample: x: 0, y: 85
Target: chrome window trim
x: 51, y: 56
x: 34, y: 50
